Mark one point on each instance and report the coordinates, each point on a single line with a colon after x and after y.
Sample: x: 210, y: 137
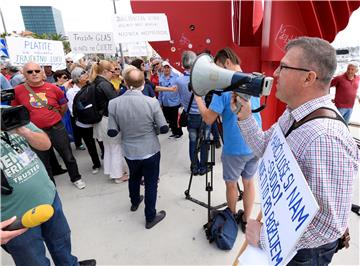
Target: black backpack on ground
x: 85, y: 109
x: 222, y: 229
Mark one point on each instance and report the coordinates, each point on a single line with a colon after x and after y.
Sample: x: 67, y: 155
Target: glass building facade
x: 42, y: 19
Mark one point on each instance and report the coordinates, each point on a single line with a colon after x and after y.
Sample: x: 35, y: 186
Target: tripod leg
x: 240, y: 192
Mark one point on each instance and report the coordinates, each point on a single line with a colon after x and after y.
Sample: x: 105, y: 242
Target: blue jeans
x: 346, y: 113
x: 28, y: 249
x: 194, y: 129
x: 149, y: 169
x: 319, y: 256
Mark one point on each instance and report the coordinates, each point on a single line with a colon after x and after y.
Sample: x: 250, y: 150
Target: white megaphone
x: 206, y: 76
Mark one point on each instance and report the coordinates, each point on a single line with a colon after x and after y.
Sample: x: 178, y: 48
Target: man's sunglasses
x: 69, y: 62
x: 117, y: 69
x: 37, y: 71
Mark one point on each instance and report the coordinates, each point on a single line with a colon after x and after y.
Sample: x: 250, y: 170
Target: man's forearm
x: 37, y: 140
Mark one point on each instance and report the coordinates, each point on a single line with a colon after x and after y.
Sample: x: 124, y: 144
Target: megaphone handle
x: 238, y: 104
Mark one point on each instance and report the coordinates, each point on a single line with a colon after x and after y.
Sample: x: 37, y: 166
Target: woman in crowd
x: 114, y: 163
x: 80, y: 78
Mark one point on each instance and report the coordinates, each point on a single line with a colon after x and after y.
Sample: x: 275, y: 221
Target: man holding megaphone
x: 28, y: 193
x: 237, y: 158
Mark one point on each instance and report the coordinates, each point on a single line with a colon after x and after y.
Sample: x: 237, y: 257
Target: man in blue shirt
x: 170, y: 100
x: 237, y: 158
x: 194, y: 118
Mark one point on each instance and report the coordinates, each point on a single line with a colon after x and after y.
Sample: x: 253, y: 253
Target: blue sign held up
x: 3, y: 50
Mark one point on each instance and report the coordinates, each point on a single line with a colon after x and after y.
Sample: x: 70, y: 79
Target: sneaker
x: 172, y: 136
x: 203, y: 171
x: 124, y: 178
x: 177, y: 137
x: 135, y: 207
x: 60, y: 171
x: 217, y: 144
x: 81, y: 147
x: 239, y: 219
x: 195, y: 171
x: 80, y: 184
x: 158, y: 218
x: 90, y: 262
x: 95, y: 171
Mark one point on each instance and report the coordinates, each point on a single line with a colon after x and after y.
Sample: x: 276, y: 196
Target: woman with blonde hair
x: 114, y: 163
x: 117, y: 79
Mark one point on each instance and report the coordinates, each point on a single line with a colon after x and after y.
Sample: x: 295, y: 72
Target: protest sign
x: 288, y: 205
x: 141, y: 28
x: 43, y: 52
x: 136, y: 49
x: 92, y: 42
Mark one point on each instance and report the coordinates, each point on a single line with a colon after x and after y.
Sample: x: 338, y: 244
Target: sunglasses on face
x: 69, y: 62
x: 117, y: 69
x: 37, y: 71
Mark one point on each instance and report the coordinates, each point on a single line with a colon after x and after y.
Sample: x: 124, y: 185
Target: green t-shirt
x: 30, y: 181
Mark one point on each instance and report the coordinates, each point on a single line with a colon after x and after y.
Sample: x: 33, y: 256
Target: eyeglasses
x: 64, y: 77
x: 281, y: 67
x: 117, y: 69
x: 69, y: 62
x: 155, y: 64
x: 37, y: 71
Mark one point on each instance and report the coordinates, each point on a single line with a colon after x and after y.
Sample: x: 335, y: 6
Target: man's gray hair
x: 187, y: 59
x: 318, y: 56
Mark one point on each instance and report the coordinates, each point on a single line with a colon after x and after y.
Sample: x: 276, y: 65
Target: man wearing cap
x: 170, y: 100
x: 16, y: 76
x: 47, y: 104
x: 346, y: 86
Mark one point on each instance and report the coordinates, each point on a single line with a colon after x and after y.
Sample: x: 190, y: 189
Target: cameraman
x: 194, y: 118
x: 237, y: 158
x: 25, y: 184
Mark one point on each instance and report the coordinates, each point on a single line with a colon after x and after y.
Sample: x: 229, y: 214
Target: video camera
x: 12, y: 117
x: 206, y: 76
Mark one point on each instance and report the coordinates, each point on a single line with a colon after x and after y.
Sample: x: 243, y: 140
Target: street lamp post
x: 120, y: 46
x: 3, y: 21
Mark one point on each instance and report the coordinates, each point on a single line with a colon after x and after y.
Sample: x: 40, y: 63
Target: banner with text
x: 136, y: 49
x: 43, y: 52
x: 92, y: 42
x: 141, y: 28
x: 287, y: 203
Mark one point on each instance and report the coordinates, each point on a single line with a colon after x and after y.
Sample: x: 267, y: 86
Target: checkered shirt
x: 329, y: 159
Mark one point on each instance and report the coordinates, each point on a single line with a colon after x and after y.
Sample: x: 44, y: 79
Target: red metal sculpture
x: 256, y: 30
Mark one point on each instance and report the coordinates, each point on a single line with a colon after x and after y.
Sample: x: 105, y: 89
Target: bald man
x: 139, y: 118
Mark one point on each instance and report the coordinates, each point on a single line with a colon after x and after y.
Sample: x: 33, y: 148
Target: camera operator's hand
x: 245, y: 110
x: 6, y: 236
x: 37, y: 140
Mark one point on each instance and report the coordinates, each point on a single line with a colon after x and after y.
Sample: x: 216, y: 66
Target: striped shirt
x: 328, y: 157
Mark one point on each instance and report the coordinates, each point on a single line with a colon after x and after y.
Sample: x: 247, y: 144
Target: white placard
x: 43, y: 52
x: 135, y: 49
x: 141, y: 28
x: 253, y: 256
x: 92, y: 42
x: 287, y: 203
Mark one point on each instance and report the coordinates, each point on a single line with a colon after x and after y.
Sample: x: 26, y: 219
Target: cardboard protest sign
x: 141, y: 28
x: 92, y: 42
x: 43, y: 52
x: 287, y: 203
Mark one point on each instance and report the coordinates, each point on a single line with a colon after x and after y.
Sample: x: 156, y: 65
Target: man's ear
x: 228, y: 64
x: 310, y: 78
